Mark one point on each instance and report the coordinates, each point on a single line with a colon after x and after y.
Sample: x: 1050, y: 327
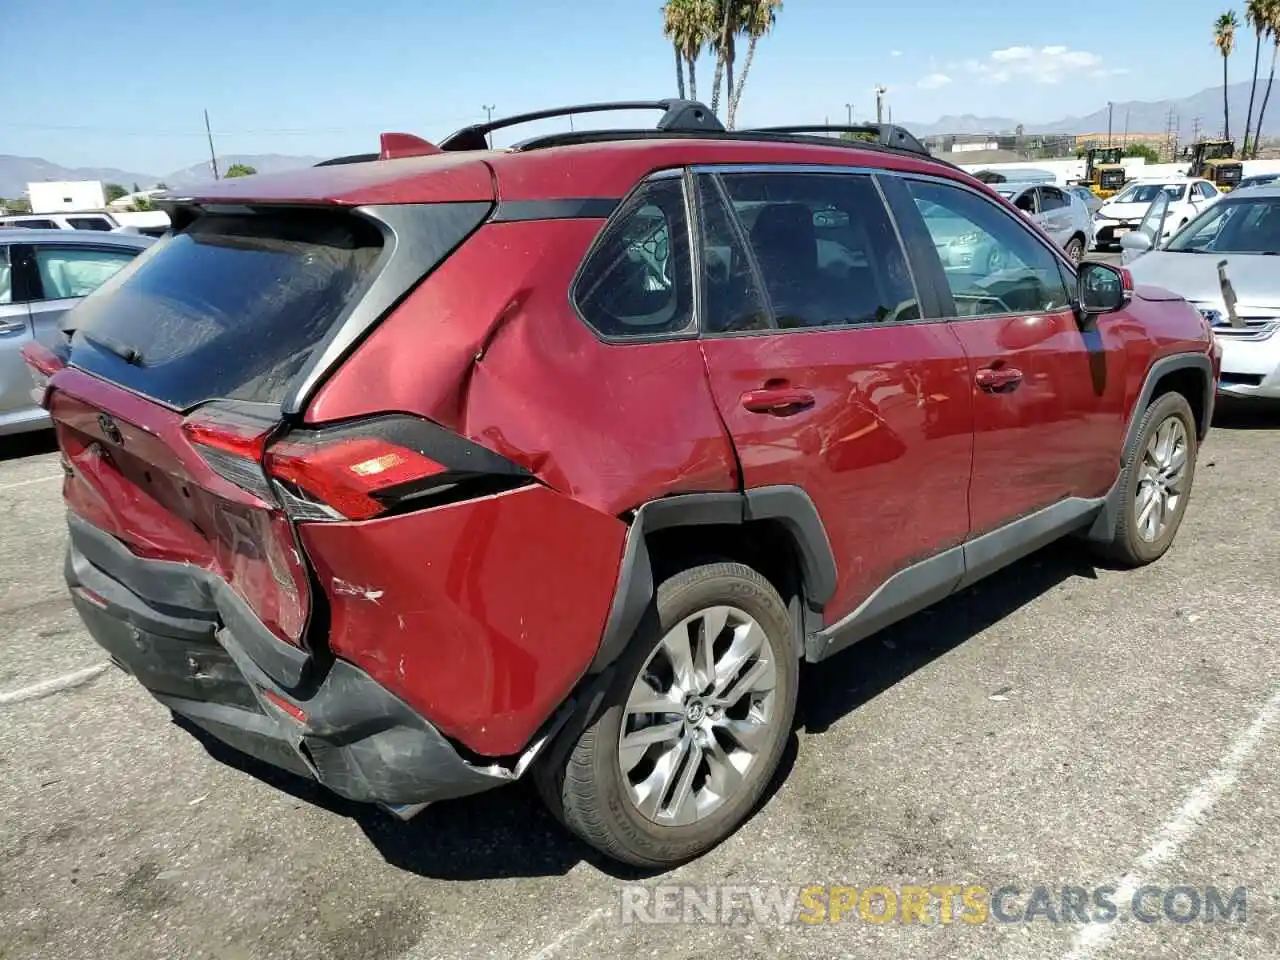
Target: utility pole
x: 1171, y: 134
x: 849, y: 108
x: 213, y: 157
x: 1126, y: 126
x: 488, y: 118
x: 880, y: 92
x: 1110, y: 107
x: 1195, y: 130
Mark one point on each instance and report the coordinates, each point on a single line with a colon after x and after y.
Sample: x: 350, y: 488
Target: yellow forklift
x: 1103, y: 172
x: 1215, y: 160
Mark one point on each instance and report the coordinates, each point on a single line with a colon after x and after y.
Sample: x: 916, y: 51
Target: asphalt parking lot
x: 1058, y: 725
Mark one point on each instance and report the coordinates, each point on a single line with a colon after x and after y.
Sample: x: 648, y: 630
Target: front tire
x: 692, y: 727
x: 1155, y: 483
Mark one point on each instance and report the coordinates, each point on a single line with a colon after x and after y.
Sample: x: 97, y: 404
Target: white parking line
x: 1175, y: 832
x: 45, y: 687
x: 551, y: 949
x: 27, y: 483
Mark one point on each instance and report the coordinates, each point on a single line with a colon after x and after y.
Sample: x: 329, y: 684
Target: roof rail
x: 885, y: 134
x: 679, y: 116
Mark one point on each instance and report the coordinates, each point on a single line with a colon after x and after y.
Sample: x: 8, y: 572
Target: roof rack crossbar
x: 677, y: 115
x: 886, y: 134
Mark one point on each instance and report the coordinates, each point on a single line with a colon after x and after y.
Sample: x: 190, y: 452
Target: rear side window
x: 825, y: 247
x: 636, y: 282
x: 34, y: 224
x: 231, y: 307
x: 6, y: 276
x: 1051, y: 198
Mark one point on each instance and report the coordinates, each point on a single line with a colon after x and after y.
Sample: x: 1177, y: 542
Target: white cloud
x: 933, y: 81
x: 895, y: 53
x: 1048, y: 65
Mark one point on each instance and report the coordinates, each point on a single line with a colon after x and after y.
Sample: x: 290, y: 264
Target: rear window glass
x: 232, y: 307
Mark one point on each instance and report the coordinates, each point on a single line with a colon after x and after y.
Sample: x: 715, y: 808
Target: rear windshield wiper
x: 130, y: 355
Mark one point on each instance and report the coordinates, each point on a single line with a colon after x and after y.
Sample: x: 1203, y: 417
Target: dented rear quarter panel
x: 480, y: 615
x: 508, y: 363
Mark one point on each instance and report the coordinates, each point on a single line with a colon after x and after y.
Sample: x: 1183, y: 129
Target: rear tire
x: 654, y: 788
x: 1155, y: 484
x: 1075, y: 248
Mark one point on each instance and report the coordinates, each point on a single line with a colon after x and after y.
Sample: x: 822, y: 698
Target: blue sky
x: 123, y: 83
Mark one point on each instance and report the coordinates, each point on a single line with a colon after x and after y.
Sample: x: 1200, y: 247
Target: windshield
x: 1232, y: 226
x: 1146, y: 192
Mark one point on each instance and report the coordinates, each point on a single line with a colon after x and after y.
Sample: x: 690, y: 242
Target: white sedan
x: 1059, y: 213
x: 1124, y: 212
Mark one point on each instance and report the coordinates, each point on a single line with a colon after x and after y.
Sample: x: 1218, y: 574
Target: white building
x: 66, y: 196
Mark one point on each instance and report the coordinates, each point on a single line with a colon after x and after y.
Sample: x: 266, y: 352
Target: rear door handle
x: 12, y: 326
x: 778, y: 401
x: 998, y: 379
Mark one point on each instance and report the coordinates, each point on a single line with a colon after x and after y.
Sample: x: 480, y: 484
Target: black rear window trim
x: 406, y: 260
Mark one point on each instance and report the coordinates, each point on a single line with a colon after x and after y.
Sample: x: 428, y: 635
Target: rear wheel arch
x: 775, y: 530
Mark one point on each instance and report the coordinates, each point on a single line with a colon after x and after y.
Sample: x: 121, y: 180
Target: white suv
x: 1124, y: 212
x: 93, y: 220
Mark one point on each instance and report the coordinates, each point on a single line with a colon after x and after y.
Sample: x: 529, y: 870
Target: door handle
x: 998, y: 379
x: 778, y: 401
x: 12, y: 326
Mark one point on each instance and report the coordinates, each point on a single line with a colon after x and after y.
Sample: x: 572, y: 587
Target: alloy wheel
x: 1162, y: 479
x: 698, y: 715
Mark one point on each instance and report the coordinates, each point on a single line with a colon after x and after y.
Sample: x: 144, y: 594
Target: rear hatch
x: 180, y: 374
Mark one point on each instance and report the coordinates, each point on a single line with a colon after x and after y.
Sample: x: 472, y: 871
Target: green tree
x: 1224, y: 38
x: 114, y: 191
x: 240, y: 170
x: 1143, y: 150
x: 758, y: 18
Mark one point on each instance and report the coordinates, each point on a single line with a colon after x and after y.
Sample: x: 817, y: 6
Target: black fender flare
x: 1105, y: 524
x: 635, y: 589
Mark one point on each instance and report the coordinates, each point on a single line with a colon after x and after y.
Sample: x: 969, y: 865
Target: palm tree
x: 1273, y: 32
x: 727, y: 19
x: 1224, y: 38
x: 688, y: 24
x: 673, y: 14
x: 1255, y: 14
x: 758, y: 18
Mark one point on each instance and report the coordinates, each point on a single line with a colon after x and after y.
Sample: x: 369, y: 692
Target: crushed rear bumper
x: 163, y: 624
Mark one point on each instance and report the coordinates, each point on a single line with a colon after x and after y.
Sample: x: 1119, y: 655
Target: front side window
x: 825, y: 248
x: 74, y: 272
x: 993, y: 264
x: 637, y: 281
x: 1244, y: 226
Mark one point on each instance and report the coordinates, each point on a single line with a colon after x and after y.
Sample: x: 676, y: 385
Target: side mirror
x: 1101, y: 288
x: 1136, y: 242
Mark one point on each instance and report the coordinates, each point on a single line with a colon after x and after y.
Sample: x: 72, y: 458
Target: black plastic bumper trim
x: 183, y: 588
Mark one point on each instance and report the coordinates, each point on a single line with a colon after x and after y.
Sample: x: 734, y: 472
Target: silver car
x: 1227, y: 262
x: 43, y: 274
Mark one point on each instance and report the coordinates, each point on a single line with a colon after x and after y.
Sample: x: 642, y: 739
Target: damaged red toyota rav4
x: 422, y: 471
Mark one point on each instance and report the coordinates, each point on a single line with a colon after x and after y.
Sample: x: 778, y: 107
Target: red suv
x: 420, y: 471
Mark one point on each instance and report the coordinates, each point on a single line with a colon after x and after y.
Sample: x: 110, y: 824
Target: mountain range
x: 1139, y: 116
x: 17, y: 172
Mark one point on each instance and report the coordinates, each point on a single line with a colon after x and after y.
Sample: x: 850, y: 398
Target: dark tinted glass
x: 1051, y: 198
x: 637, y: 280
x: 826, y: 248
x: 993, y: 262
x: 732, y: 300
x: 89, y: 223
x: 232, y: 307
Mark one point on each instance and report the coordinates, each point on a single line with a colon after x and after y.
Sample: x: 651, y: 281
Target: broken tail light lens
x: 43, y: 364
x: 353, y: 476
x: 232, y: 442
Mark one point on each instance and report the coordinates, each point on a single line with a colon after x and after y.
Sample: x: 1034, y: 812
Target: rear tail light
x: 353, y: 472
x: 43, y: 363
